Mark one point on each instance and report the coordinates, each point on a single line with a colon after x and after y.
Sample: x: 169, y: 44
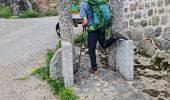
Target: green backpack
x: 102, y: 15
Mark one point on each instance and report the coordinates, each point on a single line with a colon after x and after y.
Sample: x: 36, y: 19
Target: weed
x: 23, y: 78
x: 5, y: 12
x: 68, y: 94
x: 56, y: 85
x: 58, y: 44
x: 29, y: 14
x: 49, y: 56
x: 80, y: 38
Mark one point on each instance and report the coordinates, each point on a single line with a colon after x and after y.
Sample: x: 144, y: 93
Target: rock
x: 146, y: 48
x: 162, y: 43
x: 150, y: 12
x: 143, y: 23
x: 155, y: 20
x: 164, y: 20
x: 67, y: 63
x: 166, y: 33
x: 138, y: 15
x: 149, y: 32
x: 138, y: 96
x: 158, y: 31
x: 136, y: 35
x: 55, y: 65
x: 124, y: 59
x: 133, y: 7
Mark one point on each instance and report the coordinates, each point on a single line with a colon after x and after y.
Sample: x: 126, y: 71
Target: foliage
x: 29, y: 14
x: 58, y: 44
x: 56, y: 85
x: 68, y: 94
x: 5, y: 12
x: 80, y: 38
x: 49, y: 13
x: 49, y: 56
x: 157, y: 61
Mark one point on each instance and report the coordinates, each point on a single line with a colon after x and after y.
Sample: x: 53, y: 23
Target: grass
x: 80, y: 38
x: 29, y: 14
x: 23, y: 78
x: 5, y: 12
x: 57, y: 86
x: 58, y: 44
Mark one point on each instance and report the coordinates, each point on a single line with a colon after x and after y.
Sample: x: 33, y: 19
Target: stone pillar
x: 66, y: 29
x: 120, y: 56
x: 124, y: 59
x: 117, y: 25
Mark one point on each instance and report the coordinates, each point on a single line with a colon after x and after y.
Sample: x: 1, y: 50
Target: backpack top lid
x: 97, y: 2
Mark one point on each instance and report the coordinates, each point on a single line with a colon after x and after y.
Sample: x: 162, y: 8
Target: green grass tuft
x: 5, y: 12
x: 78, y: 38
x: 58, y: 44
x: 29, y: 14
x: 68, y: 94
x: 23, y: 78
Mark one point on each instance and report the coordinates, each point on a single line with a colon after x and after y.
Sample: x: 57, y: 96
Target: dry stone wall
x: 147, y: 22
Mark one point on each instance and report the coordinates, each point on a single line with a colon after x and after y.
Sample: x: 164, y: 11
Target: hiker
x: 95, y: 33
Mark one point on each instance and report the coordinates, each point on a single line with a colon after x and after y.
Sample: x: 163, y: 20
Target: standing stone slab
x: 117, y: 25
x: 55, y: 65
x: 67, y: 63
x: 124, y: 59
x: 66, y: 30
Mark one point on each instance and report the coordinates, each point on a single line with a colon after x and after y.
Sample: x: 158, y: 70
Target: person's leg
x: 103, y: 42
x: 92, y: 41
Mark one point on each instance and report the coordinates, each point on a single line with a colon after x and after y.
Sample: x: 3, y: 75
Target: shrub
x: 80, y: 38
x: 29, y: 14
x: 5, y: 12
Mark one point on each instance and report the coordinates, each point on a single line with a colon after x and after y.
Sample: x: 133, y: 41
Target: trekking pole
x: 84, y: 30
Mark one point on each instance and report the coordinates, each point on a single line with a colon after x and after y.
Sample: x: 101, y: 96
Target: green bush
x: 5, y: 12
x: 29, y: 14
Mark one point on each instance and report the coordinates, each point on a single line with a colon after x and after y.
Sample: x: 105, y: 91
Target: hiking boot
x: 94, y: 71
x: 117, y: 35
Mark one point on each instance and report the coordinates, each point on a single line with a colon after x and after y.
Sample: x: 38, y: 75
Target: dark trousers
x: 93, y: 37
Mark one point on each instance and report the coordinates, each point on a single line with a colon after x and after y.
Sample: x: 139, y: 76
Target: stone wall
x: 47, y: 5
x: 147, y: 22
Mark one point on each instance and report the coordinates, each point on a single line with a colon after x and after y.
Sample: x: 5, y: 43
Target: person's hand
x: 84, y: 23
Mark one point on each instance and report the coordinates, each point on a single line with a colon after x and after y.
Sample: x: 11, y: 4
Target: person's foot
x: 119, y: 36
x: 92, y: 71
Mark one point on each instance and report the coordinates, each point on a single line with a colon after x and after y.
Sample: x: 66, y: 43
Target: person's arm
x: 83, y: 14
